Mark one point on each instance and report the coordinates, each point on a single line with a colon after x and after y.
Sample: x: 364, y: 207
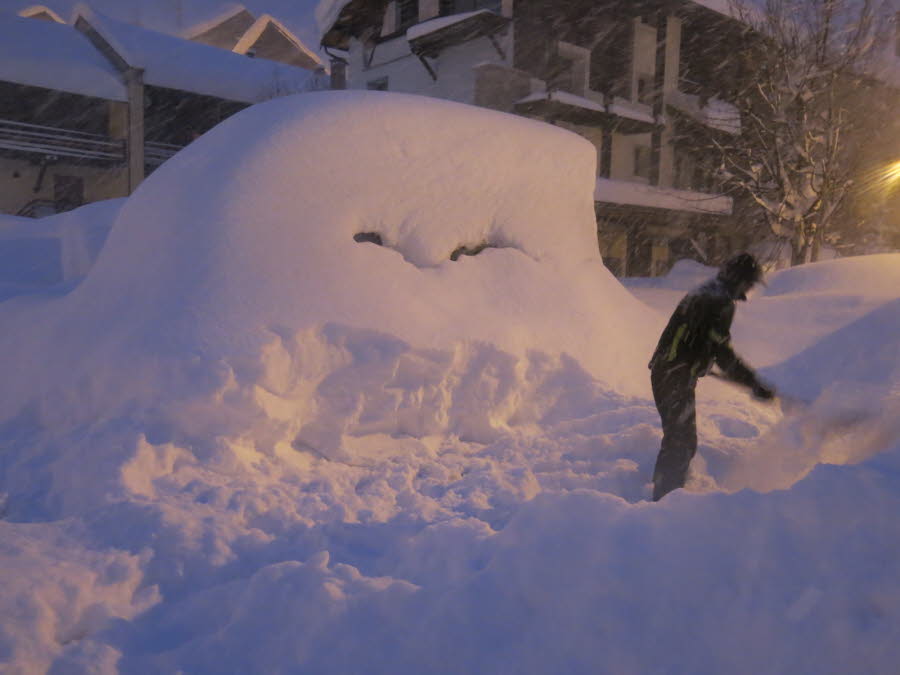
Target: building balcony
x: 22, y: 139
x: 430, y: 38
x: 694, y: 113
x: 650, y: 197
x: 35, y: 141
x: 618, y: 114
x: 157, y: 153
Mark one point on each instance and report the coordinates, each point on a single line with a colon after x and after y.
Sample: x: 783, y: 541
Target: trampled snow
x: 255, y: 440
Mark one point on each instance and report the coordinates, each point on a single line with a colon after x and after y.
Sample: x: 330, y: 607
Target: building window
x: 642, y: 161
x: 381, y: 84
x: 447, y: 7
x: 407, y: 13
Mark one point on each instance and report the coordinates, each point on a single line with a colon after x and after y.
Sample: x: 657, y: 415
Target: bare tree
x: 799, y: 111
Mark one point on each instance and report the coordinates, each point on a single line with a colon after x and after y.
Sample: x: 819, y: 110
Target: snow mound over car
x: 326, y: 267
x: 268, y: 226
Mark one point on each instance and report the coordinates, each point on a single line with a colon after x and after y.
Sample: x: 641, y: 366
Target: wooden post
x: 134, y: 80
x: 134, y: 89
x: 661, y: 20
x: 606, y: 151
x: 338, y: 73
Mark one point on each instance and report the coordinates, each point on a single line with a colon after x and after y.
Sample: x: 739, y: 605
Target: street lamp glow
x: 883, y: 180
x: 892, y: 173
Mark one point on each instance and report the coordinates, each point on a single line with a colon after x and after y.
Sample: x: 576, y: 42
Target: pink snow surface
x: 247, y: 442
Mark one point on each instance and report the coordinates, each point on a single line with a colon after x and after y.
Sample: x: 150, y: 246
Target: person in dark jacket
x: 697, y: 336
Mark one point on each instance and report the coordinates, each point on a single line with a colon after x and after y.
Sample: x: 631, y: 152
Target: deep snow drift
x: 255, y: 440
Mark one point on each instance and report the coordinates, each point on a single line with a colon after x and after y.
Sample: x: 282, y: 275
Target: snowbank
x: 38, y: 254
x: 253, y: 439
x: 244, y: 242
x: 233, y: 297
x: 862, y: 275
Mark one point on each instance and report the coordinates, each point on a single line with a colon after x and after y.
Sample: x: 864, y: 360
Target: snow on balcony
x: 624, y: 116
x: 715, y: 113
x: 650, y: 196
x: 430, y: 37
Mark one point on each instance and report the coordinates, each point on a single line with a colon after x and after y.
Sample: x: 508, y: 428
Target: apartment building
x: 634, y: 78
x: 90, y: 105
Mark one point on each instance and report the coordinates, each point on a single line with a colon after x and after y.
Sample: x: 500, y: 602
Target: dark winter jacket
x: 699, y: 334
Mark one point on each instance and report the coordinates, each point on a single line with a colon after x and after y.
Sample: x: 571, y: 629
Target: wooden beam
x: 134, y: 141
x: 102, y: 45
x: 606, y: 152
x: 493, y: 39
x: 428, y: 67
x: 661, y: 25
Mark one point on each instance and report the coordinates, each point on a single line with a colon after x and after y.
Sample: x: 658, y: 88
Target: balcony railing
x: 157, y: 153
x: 710, y: 112
x: 35, y: 139
x: 21, y: 137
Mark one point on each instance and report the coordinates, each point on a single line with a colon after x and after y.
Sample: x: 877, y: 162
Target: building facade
x: 634, y: 78
x: 90, y: 106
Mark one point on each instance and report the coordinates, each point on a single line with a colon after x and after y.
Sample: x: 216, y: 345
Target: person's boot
x: 662, y: 487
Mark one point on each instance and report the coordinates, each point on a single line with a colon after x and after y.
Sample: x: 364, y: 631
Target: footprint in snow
x: 733, y: 428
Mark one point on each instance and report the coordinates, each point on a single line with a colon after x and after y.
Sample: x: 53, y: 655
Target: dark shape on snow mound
x: 368, y: 237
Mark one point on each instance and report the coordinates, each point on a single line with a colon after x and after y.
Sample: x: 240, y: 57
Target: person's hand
x: 763, y: 392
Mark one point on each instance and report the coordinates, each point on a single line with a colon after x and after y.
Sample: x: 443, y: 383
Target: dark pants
x: 673, y: 392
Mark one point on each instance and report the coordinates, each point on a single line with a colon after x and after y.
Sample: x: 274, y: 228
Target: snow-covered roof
x: 439, y: 23
x: 188, y: 18
x: 651, y: 196
x: 202, y: 25
x: 37, y: 10
x: 327, y: 13
x: 55, y: 56
x: 260, y: 25
x: 175, y: 63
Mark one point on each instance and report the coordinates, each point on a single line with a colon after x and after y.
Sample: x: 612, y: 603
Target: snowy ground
x: 247, y: 442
